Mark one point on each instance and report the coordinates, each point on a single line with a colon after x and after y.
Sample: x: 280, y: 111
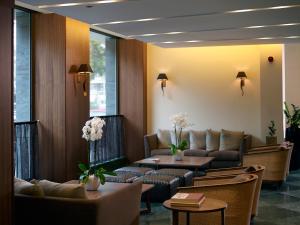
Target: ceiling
x: 187, y: 23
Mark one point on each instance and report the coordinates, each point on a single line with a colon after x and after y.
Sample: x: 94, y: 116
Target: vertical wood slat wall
x: 132, y: 100
x: 58, y: 44
x: 6, y: 114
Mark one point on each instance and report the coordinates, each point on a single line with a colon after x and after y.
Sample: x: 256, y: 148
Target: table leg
x: 175, y: 217
x: 187, y: 218
x: 223, y: 216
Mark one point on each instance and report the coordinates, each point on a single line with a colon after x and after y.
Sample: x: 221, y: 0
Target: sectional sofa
x: 228, y: 147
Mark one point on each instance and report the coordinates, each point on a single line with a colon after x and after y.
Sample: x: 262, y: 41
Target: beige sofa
x: 227, y: 147
x: 100, y: 207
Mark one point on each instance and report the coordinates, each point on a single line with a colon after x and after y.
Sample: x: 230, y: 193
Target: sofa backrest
x: 207, y: 140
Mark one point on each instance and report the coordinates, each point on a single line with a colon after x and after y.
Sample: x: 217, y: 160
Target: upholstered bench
x: 165, y: 186
x: 185, y: 176
x: 121, y: 178
x: 135, y: 171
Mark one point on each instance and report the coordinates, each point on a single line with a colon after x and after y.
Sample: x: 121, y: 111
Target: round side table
x: 208, y: 205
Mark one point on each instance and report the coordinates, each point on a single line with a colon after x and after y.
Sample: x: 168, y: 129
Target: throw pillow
x: 63, y: 190
x: 197, y: 139
x: 230, y: 140
x: 212, y: 140
x: 164, y: 138
x: 26, y: 188
x: 184, y: 136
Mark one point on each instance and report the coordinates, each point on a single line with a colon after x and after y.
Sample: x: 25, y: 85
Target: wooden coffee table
x: 209, y: 205
x: 169, y: 161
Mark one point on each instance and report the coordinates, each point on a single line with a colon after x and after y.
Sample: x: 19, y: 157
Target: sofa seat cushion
x: 230, y: 140
x: 62, y: 190
x: 230, y: 155
x: 162, y: 151
x: 195, y: 152
x: 26, y: 188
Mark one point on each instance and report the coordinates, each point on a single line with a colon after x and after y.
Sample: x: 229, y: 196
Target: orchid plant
x: 93, y: 131
x: 179, y: 122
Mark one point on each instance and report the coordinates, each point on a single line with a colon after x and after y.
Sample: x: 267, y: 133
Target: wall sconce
x: 83, y: 71
x: 163, y: 79
x: 242, y: 75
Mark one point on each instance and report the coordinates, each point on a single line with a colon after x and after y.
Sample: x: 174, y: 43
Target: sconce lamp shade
x: 241, y: 75
x: 162, y: 76
x: 85, y: 68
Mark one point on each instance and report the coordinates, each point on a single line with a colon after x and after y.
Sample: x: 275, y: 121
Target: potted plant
x: 272, y: 138
x: 92, y: 177
x: 293, y: 132
x: 179, y: 122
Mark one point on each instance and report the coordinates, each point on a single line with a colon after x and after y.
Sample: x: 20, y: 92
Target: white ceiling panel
x: 198, y: 19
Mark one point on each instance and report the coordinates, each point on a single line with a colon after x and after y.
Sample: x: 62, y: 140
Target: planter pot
x: 179, y: 155
x: 93, y: 183
x: 293, y: 135
x: 271, y: 140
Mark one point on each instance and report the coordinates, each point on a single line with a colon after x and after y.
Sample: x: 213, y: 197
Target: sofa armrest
x: 150, y: 142
x: 245, y: 144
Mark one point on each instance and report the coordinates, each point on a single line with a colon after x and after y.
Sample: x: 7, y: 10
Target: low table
x: 169, y: 161
x: 209, y: 205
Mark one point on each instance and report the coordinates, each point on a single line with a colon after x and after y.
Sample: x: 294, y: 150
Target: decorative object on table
x: 271, y: 139
x: 187, y: 199
x: 93, y: 177
x: 82, y: 75
x: 242, y: 76
x: 293, y: 132
x: 179, y: 122
x: 163, y: 81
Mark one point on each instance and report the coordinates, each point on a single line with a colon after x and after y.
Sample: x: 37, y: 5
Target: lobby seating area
x: 150, y: 112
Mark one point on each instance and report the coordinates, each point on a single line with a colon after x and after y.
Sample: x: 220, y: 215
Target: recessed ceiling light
x: 288, y: 24
x: 292, y: 37
x: 254, y: 27
x: 266, y: 38
x: 262, y: 9
x: 168, y: 42
x: 175, y: 32
x: 127, y: 21
x: 273, y: 25
x: 193, y: 41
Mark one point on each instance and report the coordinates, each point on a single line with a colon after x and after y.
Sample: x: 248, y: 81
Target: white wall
x: 202, y: 83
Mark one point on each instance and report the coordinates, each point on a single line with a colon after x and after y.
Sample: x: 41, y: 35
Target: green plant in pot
x: 271, y: 139
x: 179, y: 122
x: 90, y: 176
x: 292, y: 116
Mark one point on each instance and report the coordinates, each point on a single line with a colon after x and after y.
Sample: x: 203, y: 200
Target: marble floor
x: 278, y: 206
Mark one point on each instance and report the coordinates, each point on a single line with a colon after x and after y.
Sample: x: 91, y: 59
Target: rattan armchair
x: 237, y: 192
x: 230, y: 173
x: 276, y: 159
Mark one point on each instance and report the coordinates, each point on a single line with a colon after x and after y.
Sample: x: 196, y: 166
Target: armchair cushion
x: 164, y: 138
x: 197, y: 139
x: 62, y: 190
x: 212, y: 140
x: 225, y: 155
x: 230, y: 140
x: 27, y: 188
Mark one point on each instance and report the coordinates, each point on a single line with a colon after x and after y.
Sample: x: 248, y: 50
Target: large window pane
x: 103, y: 82
x: 22, y: 66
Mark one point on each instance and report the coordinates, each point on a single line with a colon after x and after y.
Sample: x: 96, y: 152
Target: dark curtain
x: 111, y: 145
x: 25, y: 147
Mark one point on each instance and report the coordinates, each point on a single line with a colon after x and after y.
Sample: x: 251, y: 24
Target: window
x: 103, y: 82
x: 22, y: 66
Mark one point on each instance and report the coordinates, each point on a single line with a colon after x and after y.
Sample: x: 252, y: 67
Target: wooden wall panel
x: 49, y: 50
x: 77, y: 105
x: 6, y: 120
x: 132, y: 101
